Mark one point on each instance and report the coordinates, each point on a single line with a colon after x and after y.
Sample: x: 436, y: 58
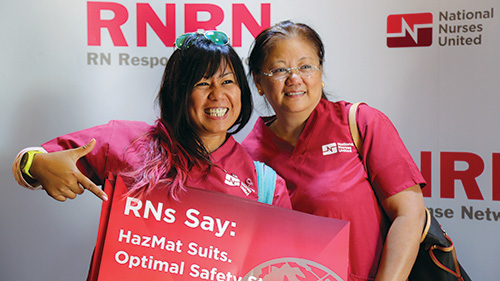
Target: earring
x: 322, y: 84
x: 260, y: 92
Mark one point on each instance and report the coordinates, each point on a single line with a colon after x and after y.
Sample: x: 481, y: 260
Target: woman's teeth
x: 294, y: 93
x: 216, y: 112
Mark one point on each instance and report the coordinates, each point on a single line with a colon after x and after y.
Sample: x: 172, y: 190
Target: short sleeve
x: 390, y: 166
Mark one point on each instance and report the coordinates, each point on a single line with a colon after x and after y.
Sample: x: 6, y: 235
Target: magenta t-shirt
x: 325, y: 176
x: 110, y: 155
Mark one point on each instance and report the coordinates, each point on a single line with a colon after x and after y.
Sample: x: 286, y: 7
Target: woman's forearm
x: 407, y: 212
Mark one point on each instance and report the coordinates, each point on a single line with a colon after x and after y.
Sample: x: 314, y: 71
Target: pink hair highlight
x: 166, y: 164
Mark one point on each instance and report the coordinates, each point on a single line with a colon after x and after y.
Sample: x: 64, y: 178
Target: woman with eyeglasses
x: 204, y: 99
x: 308, y: 142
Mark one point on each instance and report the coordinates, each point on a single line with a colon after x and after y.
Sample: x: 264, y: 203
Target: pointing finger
x: 89, y: 185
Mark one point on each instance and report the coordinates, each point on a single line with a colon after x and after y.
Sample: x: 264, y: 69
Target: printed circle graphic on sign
x: 291, y: 269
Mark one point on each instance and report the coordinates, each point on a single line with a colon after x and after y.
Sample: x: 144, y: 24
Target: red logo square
x: 409, y: 30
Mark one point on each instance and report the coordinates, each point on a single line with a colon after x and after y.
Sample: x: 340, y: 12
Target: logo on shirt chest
x: 337, y: 147
x: 233, y: 180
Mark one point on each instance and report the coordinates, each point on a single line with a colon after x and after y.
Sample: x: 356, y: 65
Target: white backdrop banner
x: 432, y: 66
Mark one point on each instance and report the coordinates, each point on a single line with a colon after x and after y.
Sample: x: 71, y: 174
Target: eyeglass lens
x: 302, y: 71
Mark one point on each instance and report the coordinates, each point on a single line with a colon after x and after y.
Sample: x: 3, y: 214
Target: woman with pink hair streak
x: 204, y: 99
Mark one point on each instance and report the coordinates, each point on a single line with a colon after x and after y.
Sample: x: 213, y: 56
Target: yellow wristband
x: 27, y: 161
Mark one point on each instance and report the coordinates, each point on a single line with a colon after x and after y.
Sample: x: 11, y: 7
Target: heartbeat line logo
x: 409, y: 30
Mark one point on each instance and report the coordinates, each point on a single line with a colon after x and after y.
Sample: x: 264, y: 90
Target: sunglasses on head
x: 217, y: 37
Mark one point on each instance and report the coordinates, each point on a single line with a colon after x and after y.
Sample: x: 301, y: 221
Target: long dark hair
x: 286, y: 29
x: 172, y: 146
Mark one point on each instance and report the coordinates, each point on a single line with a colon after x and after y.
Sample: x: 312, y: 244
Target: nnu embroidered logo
x: 336, y: 147
x: 232, y: 180
x: 330, y: 148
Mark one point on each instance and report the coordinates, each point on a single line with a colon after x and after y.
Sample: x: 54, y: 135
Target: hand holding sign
x: 58, y: 174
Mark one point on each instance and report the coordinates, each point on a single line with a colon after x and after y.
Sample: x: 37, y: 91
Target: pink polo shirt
x: 233, y: 174
x: 325, y: 176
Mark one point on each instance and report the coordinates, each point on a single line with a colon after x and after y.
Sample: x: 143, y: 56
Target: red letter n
x: 146, y: 15
x: 468, y: 176
x: 95, y: 23
x: 241, y: 16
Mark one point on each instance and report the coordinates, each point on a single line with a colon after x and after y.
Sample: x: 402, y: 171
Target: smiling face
x: 295, y: 96
x: 214, y: 106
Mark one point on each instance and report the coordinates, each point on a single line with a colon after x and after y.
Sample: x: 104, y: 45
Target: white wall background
x: 441, y: 98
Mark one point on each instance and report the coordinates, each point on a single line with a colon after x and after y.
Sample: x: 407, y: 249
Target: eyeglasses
x: 217, y: 37
x: 281, y: 73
